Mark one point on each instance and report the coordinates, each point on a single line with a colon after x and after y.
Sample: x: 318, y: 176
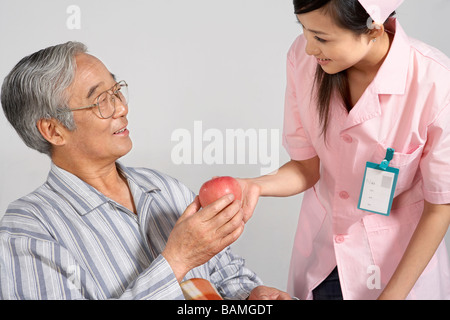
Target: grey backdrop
x: 218, y: 62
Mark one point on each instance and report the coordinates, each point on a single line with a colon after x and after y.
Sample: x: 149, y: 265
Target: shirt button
x: 347, y: 138
x: 344, y: 195
x: 339, y: 238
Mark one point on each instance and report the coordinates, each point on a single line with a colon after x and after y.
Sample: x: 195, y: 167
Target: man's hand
x: 199, y: 235
x: 268, y: 293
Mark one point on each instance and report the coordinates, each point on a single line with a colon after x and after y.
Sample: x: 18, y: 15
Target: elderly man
x: 97, y: 229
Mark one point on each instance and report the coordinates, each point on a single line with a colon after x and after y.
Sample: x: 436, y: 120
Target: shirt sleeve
x: 227, y: 272
x: 295, y: 139
x: 33, y: 266
x: 434, y: 165
x: 231, y: 277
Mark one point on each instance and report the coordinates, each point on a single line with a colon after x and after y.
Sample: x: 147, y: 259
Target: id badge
x: 378, y: 187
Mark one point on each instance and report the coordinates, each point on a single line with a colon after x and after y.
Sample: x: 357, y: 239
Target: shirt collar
x: 132, y: 176
x: 83, y: 197
x: 392, y: 76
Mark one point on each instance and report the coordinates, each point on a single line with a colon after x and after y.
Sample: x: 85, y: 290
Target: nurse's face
x: 336, y: 49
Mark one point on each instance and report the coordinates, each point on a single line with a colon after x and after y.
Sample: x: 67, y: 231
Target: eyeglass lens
x: 107, y: 100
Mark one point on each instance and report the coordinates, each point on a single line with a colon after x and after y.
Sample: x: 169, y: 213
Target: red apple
x: 216, y: 188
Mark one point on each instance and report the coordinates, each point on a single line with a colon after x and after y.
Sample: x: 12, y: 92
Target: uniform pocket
x: 407, y: 163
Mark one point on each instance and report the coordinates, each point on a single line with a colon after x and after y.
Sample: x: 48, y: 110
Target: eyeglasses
x: 106, y: 101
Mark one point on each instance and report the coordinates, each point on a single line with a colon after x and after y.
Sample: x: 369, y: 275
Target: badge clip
x: 389, y: 155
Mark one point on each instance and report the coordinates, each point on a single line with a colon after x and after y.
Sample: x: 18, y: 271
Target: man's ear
x: 52, y: 131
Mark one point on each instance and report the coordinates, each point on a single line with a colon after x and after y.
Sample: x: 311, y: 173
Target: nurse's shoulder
x: 429, y: 77
x: 430, y: 55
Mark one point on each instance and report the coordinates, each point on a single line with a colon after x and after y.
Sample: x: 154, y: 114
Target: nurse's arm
x: 292, y: 178
x: 429, y: 233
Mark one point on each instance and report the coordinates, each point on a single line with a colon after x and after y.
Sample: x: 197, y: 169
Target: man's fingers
x: 191, y: 209
x: 230, y: 219
x: 211, y: 210
x: 234, y: 235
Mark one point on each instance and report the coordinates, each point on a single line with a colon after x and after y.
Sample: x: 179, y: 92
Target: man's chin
x: 124, y: 150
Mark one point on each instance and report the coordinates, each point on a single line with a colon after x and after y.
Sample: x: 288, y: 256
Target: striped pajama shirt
x: 66, y: 240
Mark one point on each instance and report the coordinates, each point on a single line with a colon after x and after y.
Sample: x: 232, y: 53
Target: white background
x: 219, y: 62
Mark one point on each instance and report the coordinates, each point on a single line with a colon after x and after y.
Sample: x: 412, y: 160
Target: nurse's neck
x: 372, y: 62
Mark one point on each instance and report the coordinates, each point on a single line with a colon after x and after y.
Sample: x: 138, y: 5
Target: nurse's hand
x: 250, y: 195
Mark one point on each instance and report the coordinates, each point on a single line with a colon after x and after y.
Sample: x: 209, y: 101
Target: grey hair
x: 36, y: 89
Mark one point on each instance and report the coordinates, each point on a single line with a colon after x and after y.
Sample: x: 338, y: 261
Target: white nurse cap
x: 380, y: 10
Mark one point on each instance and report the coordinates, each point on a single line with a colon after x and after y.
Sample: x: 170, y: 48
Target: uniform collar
x: 392, y: 76
x: 390, y: 79
x: 83, y: 197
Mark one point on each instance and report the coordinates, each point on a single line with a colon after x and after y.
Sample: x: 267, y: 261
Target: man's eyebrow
x: 93, y: 89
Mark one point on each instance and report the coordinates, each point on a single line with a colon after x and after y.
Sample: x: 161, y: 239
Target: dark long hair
x: 348, y: 14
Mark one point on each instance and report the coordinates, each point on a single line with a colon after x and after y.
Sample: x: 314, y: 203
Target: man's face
x: 95, y: 138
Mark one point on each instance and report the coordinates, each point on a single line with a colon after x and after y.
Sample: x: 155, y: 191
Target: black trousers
x: 329, y: 289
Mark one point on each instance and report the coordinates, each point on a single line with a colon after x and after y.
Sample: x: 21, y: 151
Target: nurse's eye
x: 320, y: 39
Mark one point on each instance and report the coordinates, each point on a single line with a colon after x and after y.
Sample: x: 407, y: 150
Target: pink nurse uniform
x: 406, y: 107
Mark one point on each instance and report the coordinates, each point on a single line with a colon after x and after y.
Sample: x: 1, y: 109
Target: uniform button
x: 347, y: 138
x: 344, y: 195
x: 339, y: 238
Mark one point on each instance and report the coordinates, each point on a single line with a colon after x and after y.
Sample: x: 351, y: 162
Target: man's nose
x: 121, y: 108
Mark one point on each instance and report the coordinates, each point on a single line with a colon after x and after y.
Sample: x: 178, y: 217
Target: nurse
x: 359, y: 88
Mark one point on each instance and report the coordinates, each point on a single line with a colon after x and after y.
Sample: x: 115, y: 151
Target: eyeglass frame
x: 97, y: 104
